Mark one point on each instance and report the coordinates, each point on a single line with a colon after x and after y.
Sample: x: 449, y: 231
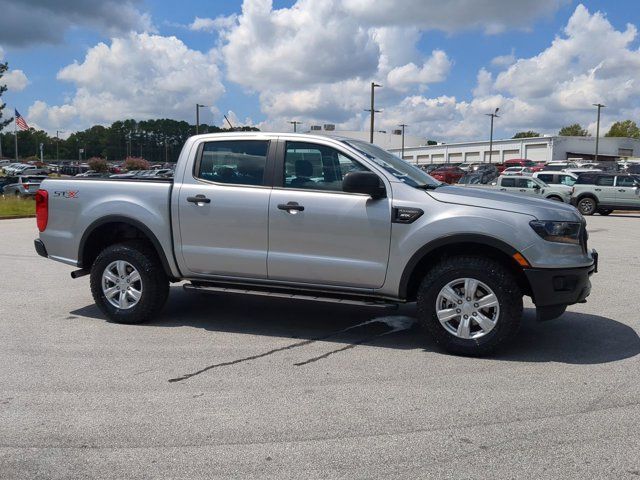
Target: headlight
x: 561, y: 232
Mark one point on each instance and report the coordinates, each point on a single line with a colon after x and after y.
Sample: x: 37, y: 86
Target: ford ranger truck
x: 323, y: 219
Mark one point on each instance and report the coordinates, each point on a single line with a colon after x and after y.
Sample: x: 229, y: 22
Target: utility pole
x: 492, y: 115
x: 58, y: 132
x: 15, y: 134
x: 372, y: 110
x: 295, y: 124
x: 198, y: 107
x: 402, y: 149
x: 600, y: 106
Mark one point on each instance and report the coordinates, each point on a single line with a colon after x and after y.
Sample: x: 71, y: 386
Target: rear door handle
x: 598, y: 189
x: 291, y: 207
x: 623, y: 190
x: 198, y: 199
x: 503, y: 189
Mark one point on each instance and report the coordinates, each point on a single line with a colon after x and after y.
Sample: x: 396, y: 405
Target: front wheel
x: 470, y: 305
x: 128, y: 282
x: 587, y: 206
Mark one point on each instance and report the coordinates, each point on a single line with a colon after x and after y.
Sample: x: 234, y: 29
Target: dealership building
x: 542, y: 149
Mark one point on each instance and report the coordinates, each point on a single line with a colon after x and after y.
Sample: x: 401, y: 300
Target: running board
x: 367, y: 302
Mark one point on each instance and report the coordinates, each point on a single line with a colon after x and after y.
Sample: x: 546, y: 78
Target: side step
x: 367, y: 302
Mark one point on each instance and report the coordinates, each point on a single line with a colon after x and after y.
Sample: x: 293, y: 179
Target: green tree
x: 626, y: 128
x: 527, y: 134
x: 3, y: 88
x: 573, y: 130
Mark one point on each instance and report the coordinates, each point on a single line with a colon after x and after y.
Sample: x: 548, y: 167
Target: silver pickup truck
x: 322, y: 219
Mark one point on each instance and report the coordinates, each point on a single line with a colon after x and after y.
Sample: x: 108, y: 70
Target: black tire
x: 154, y: 281
x: 497, y: 278
x: 604, y: 211
x: 587, y: 205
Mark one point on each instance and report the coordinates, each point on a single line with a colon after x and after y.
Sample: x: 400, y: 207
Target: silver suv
x: 321, y: 219
x: 605, y: 192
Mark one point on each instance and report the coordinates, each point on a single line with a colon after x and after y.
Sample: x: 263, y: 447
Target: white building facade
x: 541, y: 149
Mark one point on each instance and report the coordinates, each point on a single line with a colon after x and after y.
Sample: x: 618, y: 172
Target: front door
x: 319, y: 234
x: 223, y: 210
x: 605, y: 189
x: 627, y: 192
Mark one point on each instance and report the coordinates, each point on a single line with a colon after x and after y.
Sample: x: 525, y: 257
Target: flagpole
x: 15, y: 133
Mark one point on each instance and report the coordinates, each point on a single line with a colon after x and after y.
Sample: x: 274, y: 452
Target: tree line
x: 157, y: 141
x: 625, y: 128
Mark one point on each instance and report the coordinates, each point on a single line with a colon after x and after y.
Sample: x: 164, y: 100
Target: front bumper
x: 551, y: 287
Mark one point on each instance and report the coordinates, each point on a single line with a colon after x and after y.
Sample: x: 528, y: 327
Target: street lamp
x: 198, y: 107
x: 492, y: 115
x: 295, y: 124
x: 58, y: 132
x: 402, y: 149
x: 372, y: 110
x: 600, y: 106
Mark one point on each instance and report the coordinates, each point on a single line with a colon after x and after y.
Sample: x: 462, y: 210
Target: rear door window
x: 235, y: 162
x: 508, y: 182
x: 605, y: 181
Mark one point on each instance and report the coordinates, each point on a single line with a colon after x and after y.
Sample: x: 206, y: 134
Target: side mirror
x: 364, y: 182
x: 536, y: 187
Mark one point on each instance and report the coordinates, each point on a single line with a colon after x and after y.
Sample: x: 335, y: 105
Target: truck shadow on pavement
x: 574, y: 338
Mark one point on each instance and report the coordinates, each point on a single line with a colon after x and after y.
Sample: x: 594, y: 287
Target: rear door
x: 507, y: 184
x: 223, y: 209
x: 319, y: 234
x: 627, y: 193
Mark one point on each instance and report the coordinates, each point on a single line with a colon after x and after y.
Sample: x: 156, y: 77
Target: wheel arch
x: 460, y: 244
x: 113, y: 229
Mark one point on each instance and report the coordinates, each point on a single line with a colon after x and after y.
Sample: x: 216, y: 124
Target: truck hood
x: 539, y: 208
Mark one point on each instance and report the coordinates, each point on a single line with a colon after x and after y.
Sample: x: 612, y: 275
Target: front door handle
x: 598, y: 189
x: 291, y: 207
x: 198, y: 199
x: 623, y: 190
x: 503, y: 189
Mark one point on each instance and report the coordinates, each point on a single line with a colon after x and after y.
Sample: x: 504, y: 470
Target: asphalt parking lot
x: 226, y: 386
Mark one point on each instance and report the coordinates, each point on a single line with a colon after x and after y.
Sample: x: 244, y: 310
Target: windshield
x: 403, y: 171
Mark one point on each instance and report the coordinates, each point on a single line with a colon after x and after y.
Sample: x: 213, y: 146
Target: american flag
x: 21, y: 122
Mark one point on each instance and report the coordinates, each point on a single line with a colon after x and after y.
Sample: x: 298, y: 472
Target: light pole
x: 402, y: 148
x: 295, y: 124
x: 58, y: 132
x: 492, y: 115
x: 198, y: 107
x: 600, y: 106
x: 372, y: 110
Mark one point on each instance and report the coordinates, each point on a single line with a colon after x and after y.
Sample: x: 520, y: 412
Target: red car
x: 448, y: 173
x: 523, y: 162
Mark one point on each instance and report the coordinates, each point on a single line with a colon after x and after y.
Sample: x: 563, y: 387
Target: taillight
x: 42, y: 209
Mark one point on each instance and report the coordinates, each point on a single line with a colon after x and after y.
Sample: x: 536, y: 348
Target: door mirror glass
x: 364, y: 182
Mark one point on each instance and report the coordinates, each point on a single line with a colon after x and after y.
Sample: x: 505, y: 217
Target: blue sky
x: 299, y: 60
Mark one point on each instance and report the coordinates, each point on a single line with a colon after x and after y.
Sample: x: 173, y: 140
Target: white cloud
x: 15, y: 80
x: 200, y: 24
x: 434, y: 70
x: 504, y: 60
x: 138, y: 76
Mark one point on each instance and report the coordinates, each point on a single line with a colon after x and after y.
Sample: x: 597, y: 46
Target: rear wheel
x: 128, y: 282
x: 587, y: 205
x: 470, y: 305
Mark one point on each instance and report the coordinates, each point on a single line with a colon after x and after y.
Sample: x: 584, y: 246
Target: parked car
x: 467, y: 166
x: 558, y: 166
x: 239, y: 214
x: 522, y: 162
x: 529, y: 186
x: 635, y: 168
x: 23, y: 185
x: 448, y: 173
x: 517, y: 171
x: 92, y: 174
x: 605, y: 192
x: 556, y: 178
x: 488, y: 168
x: 430, y: 167
x: 479, y: 178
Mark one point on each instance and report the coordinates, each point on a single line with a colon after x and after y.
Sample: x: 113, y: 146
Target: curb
x: 17, y: 217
